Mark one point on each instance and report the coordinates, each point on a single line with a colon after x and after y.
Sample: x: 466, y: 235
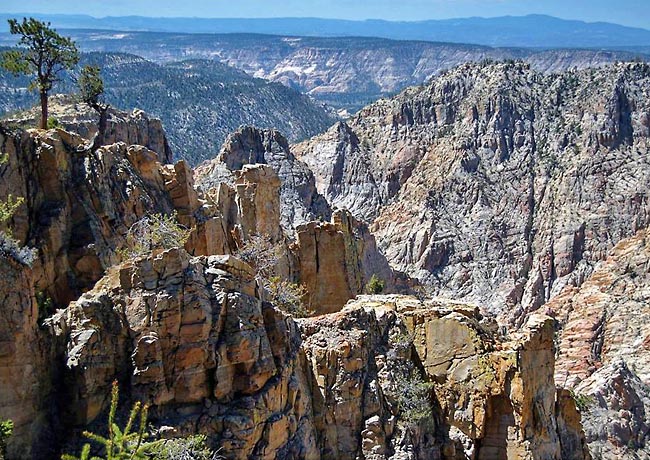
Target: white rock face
x: 495, y: 183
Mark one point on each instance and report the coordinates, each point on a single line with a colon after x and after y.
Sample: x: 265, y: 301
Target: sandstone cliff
x: 499, y: 198
x: 300, y: 201
x: 134, y: 128
x: 193, y: 337
x: 78, y: 206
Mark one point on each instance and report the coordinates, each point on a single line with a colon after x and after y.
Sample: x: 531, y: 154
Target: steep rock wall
x: 495, y: 183
x: 193, y: 337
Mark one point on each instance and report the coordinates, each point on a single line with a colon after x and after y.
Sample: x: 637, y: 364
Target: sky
x: 627, y: 12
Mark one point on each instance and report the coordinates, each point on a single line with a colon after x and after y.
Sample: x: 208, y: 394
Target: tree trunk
x: 43, y: 110
x: 103, y: 119
x: 98, y: 141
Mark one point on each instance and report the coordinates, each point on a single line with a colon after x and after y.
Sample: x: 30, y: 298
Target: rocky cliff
x: 79, y: 205
x: 301, y: 202
x: 510, y: 195
x: 193, y: 337
x: 508, y: 188
x: 135, y: 128
x: 333, y: 260
x: 496, y: 183
x: 604, y: 349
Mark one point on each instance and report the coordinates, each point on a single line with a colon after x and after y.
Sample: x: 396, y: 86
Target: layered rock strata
x: 495, y: 183
x: 132, y: 128
x: 192, y: 336
x: 78, y: 205
x: 301, y: 202
x: 603, y: 349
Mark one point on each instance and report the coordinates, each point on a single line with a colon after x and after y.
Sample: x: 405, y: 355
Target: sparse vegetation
x: 7, y: 209
x: 45, y: 306
x: 287, y: 296
x: 53, y: 123
x: 154, y: 231
x: 415, y: 399
x: 375, y: 285
x: 411, y: 391
x: 190, y: 448
x: 91, y: 92
x: 583, y: 401
x: 8, y: 246
x: 121, y: 443
x: 6, y: 430
x: 263, y: 255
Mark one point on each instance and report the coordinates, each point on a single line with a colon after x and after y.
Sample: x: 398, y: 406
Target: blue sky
x: 627, y: 12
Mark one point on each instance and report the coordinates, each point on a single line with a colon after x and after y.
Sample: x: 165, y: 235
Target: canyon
x: 504, y: 209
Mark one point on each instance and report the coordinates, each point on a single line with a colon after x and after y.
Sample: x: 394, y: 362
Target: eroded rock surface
x: 495, y: 183
x: 132, y: 128
x: 78, y: 205
x: 300, y: 200
x: 192, y: 336
x: 603, y: 352
x: 335, y: 261
x: 24, y: 370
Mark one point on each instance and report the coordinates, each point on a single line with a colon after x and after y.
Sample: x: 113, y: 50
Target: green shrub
x: 121, y: 443
x: 8, y: 246
x: 287, y: 296
x: 260, y: 253
x: 264, y: 255
x: 414, y: 399
x: 45, y: 306
x: 53, y: 123
x: 154, y: 231
x: 583, y: 401
x: 190, y: 448
x: 6, y: 430
x: 375, y: 285
x: 8, y: 207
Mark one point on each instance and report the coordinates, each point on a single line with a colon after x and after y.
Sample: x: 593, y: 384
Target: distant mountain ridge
x: 538, y: 31
x: 344, y: 72
x: 199, y: 102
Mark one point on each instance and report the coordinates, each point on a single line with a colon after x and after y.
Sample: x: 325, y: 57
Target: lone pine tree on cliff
x: 41, y: 52
x: 91, y: 91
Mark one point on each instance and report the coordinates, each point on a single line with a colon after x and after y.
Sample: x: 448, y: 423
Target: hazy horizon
x: 632, y: 13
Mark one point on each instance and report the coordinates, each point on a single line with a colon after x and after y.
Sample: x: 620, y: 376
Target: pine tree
x: 41, y: 52
x: 121, y: 444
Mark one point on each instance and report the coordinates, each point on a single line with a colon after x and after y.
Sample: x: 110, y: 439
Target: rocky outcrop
x: 332, y: 260
x: 497, y: 184
x: 235, y: 212
x: 79, y: 204
x: 497, y: 396
x: 192, y: 336
x: 603, y: 353
x: 24, y: 373
x: 134, y: 128
x: 343, y: 171
x: 300, y: 201
x: 335, y: 260
x: 615, y: 405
